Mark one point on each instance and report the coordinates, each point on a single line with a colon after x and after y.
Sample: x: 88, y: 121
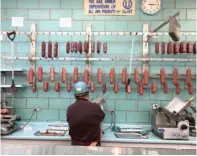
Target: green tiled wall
x: 131, y: 108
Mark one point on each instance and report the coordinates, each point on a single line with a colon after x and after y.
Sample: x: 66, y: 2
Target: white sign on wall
x: 109, y: 7
x: 17, y: 21
x: 65, y: 22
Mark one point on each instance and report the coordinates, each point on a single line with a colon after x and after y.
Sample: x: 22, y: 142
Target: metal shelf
x: 8, y: 86
x: 10, y: 70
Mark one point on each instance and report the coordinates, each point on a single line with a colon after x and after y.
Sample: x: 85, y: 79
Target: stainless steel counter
x: 48, y: 149
x: 26, y: 136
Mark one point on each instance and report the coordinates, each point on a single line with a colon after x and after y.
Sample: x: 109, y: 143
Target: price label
x: 17, y: 21
x: 65, y: 22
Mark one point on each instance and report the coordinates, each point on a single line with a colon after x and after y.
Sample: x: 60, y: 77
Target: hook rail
x: 103, y: 33
x: 104, y: 59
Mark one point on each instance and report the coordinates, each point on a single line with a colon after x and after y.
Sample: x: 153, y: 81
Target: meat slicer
x: 7, y: 124
x: 7, y: 120
x: 100, y: 100
x: 174, y: 122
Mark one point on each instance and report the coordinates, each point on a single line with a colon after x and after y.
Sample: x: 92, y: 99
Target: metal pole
x: 104, y: 59
x: 105, y: 33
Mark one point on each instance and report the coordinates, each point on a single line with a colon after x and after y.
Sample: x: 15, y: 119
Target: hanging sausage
x: 156, y: 47
x: 45, y: 86
x: 146, y: 76
x: 175, y: 75
x: 98, y: 47
x: 104, y: 88
x: 128, y: 88
x: 112, y: 75
x: 141, y: 88
x: 178, y: 88
x: 189, y: 47
x: 34, y: 88
x: 75, y: 47
x: 31, y: 75
x: 69, y: 86
x: 86, y: 76
x: 124, y: 75
x: 190, y: 89
x: 163, y: 49
x: 55, y: 50
x: 105, y: 47
x: 63, y: 75
x: 49, y: 49
x: 176, y: 48
x: 75, y: 75
x: 183, y: 47
x: 43, y: 49
x: 57, y: 86
x: 170, y: 48
x: 116, y: 87
x: 68, y: 47
x: 92, y: 87
x: 86, y: 47
x: 162, y: 76
x: 79, y: 47
x: 40, y: 73
x: 188, y: 76
x: 99, y: 75
x: 194, y: 48
x: 52, y: 73
x: 72, y: 46
x: 136, y: 75
x: 165, y: 88
x: 93, y: 47
x: 153, y: 87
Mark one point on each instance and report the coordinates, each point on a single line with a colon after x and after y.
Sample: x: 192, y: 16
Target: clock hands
x: 153, y: 4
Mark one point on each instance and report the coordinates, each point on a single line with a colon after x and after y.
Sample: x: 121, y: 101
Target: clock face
x: 151, y: 6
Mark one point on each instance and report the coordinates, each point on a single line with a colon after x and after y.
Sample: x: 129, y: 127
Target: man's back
x: 84, y: 120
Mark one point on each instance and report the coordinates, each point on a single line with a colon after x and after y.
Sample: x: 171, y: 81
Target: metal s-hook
x: 175, y: 62
x: 162, y: 62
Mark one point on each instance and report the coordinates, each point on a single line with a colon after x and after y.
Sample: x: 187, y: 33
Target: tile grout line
x: 48, y: 103
x: 60, y: 4
x: 38, y: 4
x: 58, y: 114
x: 49, y: 14
x: 17, y: 4
x: 26, y: 102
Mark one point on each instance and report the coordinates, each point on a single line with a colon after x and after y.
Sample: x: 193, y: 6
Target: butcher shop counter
x: 26, y: 136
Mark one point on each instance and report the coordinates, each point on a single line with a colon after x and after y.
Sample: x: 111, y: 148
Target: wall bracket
x: 33, y: 48
x: 89, y: 39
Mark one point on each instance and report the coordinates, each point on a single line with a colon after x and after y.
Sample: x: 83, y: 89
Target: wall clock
x: 151, y: 7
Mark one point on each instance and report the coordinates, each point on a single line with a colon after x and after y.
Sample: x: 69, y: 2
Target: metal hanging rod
x: 102, y: 33
x: 181, y: 76
x: 104, y: 59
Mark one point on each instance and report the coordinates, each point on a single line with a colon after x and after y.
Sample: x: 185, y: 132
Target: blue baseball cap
x: 81, y: 88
